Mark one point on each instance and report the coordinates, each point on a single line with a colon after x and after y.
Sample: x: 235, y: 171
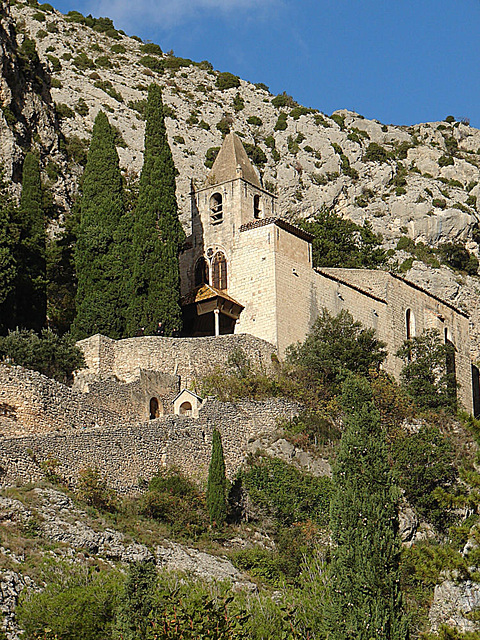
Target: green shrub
x: 376, y: 153
x: 224, y: 126
x: 339, y: 119
x: 281, y: 123
x: 82, y: 107
x: 107, y: 86
x: 39, y: 16
x: 55, y: 83
x: 55, y: 62
x: 226, y: 80
x: 405, y: 243
x: 152, y: 48
x: 103, y: 62
x: 172, y: 62
x: 54, y: 356
x: 139, y: 106
x: 283, y: 100
x: 296, y: 112
x: 118, y: 48
x: 256, y: 121
x: 458, y: 257
x: 41, y: 33
x: 204, y: 125
x: 426, y: 376
x: 210, y: 156
x: 439, y: 203
x: 76, y: 149
x: 336, y: 345
x: 286, y: 493
x: 445, y: 161
x: 64, y: 111
x: 76, y: 602
x: 238, y: 103
x: 262, y: 86
x: 423, y: 463
x: 450, y: 119
x: 153, y: 63
x: 92, y: 489
x: 255, y: 153
x: 82, y: 61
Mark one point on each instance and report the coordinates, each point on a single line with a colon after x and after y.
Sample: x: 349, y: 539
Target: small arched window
x: 201, y: 272
x: 185, y: 409
x: 219, y: 271
x: 257, y: 211
x: 216, y: 208
x: 410, y: 324
x: 154, y: 409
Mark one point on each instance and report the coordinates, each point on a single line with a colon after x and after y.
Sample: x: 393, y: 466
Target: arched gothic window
x: 219, y: 271
x: 201, y: 272
x: 216, y: 208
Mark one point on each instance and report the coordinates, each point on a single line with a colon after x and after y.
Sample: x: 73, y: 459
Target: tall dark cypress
x: 157, y: 232
x: 31, y: 284
x: 100, y: 265
x: 9, y: 235
x: 217, y: 483
x: 365, y: 598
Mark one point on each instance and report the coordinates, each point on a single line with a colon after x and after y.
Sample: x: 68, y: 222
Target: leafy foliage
x: 226, y: 80
x: 366, y: 600
x: 336, y: 345
x: 286, y: 493
x: 157, y: 232
x: 338, y: 242
x: 423, y: 463
x: 92, y: 489
x: 426, y: 376
x: 101, y: 255
x: 217, y: 483
x: 54, y: 356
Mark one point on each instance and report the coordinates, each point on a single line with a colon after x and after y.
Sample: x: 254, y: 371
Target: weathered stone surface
x: 452, y: 601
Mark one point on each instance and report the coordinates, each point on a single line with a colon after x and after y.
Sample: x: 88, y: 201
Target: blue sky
x: 399, y: 62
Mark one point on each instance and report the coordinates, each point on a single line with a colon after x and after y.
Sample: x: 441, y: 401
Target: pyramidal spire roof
x: 232, y: 162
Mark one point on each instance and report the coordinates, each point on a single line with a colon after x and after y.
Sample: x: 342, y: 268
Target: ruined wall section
x: 35, y: 404
x: 127, y: 453
x: 189, y: 358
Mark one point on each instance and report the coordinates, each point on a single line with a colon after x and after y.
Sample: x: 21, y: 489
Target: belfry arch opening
x: 216, y: 208
x: 201, y: 272
x: 219, y: 271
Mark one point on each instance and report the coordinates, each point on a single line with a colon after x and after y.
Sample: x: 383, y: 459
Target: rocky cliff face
x: 421, y: 181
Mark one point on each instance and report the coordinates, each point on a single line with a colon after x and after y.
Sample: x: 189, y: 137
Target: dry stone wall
x: 189, y: 358
x: 126, y: 453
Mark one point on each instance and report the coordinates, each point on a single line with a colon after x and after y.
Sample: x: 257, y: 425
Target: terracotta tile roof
x: 206, y: 292
x: 279, y: 222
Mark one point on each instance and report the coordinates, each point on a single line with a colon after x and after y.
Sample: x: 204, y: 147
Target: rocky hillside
x: 421, y: 181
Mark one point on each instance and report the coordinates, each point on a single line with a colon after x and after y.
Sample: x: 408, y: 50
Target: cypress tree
x: 31, y: 283
x: 217, y: 483
x: 100, y: 265
x: 157, y: 232
x: 9, y: 234
x: 365, y: 599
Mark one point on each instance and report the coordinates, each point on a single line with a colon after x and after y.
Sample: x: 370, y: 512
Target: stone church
x: 245, y: 270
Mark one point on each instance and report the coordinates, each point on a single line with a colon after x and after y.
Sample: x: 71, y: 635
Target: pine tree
x: 31, y: 282
x: 366, y: 600
x: 99, y: 260
x: 157, y: 232
x: 217, y: 483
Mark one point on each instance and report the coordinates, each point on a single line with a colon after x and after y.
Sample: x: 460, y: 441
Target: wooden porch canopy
x: 205, y: 300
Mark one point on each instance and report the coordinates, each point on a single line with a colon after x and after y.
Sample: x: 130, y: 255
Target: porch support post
x: 216, y: 313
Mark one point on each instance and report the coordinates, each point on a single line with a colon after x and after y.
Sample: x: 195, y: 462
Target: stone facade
x: 53, y: 422
x: 268, y: 271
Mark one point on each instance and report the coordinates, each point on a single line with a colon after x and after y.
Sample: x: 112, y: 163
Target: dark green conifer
x: 365, y: 597
x: 217, y: 483
x: 157, y: 232
x: 31, y: 282
x: 100, y: 264
x: 9, y: 234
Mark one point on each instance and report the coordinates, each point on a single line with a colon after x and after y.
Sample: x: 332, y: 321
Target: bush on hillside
x: 336, y: 345
x: 226, y: 80
x: 55, y: 356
